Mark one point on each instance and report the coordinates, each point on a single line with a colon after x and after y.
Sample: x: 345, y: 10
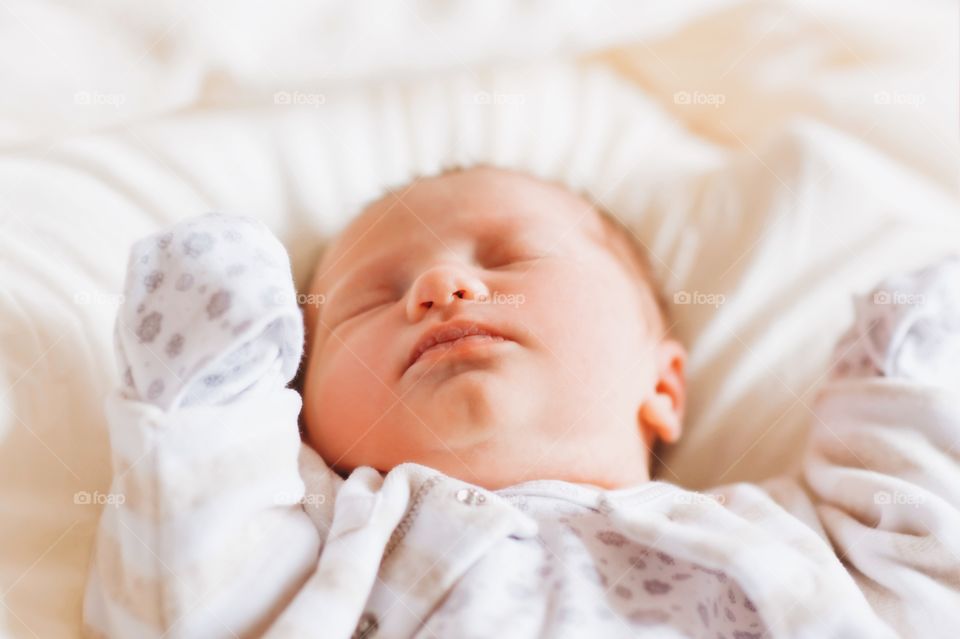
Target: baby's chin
x: 478, y: 394
x: 467, y: 411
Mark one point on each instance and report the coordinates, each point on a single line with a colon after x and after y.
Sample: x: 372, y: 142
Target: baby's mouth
x: 449, y: 336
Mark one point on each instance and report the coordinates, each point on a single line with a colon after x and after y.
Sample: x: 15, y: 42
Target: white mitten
x: 209, y: 313
x: 908, y: 327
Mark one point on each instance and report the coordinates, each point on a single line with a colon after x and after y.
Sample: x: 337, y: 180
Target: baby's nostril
x: 461, y: 293
x: 426, y: 304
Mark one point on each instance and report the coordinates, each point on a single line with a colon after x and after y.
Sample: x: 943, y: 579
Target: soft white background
x: 774, y: 157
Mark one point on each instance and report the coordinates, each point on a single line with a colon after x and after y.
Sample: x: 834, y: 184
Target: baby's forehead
x: 444, y: 210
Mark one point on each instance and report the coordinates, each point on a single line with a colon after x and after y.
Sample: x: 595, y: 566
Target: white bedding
x: 774, y: 159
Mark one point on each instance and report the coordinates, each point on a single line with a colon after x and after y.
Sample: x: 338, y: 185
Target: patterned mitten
x: 209, y: 313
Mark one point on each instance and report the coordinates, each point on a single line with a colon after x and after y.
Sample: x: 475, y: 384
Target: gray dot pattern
x: 209, y: 309
x: 582, y: 577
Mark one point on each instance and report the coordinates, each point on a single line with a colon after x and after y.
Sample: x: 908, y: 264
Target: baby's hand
x: 908, y: 327
x: 209, y: 311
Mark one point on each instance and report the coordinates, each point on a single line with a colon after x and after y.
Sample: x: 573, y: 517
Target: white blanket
x: 829, y: 163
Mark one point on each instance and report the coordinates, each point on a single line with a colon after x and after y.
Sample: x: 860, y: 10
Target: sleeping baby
x: 489, y: 369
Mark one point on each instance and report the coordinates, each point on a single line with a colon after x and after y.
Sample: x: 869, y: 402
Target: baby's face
x: 488, y: 325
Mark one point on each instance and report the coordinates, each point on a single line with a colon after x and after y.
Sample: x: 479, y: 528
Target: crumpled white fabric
x: 908, y: 327
x: 209, y: 310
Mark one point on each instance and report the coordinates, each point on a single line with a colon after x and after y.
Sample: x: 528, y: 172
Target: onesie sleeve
x: 206, y: 533
x: 883, y: 463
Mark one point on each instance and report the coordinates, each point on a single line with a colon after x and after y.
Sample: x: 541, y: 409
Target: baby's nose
x: 442, y: 286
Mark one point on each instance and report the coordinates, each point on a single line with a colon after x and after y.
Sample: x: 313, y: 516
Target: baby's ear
x: 661, y: 414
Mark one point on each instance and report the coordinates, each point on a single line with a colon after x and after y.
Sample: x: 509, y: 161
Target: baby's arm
x: 209, y: 538
x: 884, y: 459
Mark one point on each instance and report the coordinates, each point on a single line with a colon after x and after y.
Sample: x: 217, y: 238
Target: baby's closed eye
x: 359, y: 303
x: 504, y: 254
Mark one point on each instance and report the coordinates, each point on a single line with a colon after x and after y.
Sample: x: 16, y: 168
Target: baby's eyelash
x: 504, y: 255
x: 356, y: 310
x: 516, y: 258
x: 368, y: 304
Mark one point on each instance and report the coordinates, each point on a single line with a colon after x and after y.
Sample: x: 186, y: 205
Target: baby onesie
x: 581, y: 577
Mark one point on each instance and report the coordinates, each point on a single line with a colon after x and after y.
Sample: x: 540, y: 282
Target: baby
x: 489, y: 367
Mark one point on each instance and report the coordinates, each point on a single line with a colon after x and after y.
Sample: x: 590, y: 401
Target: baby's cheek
x: 351, y: 395
x: 594, y: 327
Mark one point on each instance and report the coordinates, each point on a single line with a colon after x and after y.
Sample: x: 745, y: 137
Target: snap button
x: 366, y: 627
x: 470, y: 496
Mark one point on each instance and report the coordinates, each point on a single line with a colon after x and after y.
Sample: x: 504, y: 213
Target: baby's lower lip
x: 459, y: 344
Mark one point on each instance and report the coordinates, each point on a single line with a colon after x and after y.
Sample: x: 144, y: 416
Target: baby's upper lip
x: 449, y: 332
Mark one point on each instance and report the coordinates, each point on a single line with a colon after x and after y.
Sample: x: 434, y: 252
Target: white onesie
x: 581, y: 577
